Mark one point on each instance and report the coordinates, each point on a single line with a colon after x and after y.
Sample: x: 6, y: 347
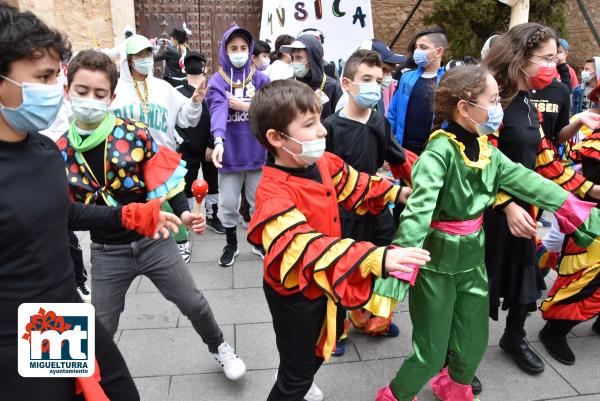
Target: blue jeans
x: 114, y: 267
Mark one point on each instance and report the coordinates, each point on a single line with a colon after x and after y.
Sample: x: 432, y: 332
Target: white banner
x: 344, y: 23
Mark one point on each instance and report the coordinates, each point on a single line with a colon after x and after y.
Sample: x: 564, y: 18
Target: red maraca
x: 199, y: 190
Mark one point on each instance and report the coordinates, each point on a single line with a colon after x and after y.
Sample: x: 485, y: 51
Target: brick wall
x: 389, y: 15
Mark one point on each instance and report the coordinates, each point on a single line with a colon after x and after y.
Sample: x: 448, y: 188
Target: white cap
x: 296, y: 44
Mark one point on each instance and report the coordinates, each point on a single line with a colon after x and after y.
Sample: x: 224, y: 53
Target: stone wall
x: 87, y: 23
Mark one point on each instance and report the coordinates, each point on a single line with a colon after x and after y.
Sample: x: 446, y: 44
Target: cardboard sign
x: 344, y: 23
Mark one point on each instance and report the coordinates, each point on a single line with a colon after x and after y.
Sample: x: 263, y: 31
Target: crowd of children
x: 401, y: 177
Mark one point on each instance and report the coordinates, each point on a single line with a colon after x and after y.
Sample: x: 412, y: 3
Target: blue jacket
x: 399, y: 104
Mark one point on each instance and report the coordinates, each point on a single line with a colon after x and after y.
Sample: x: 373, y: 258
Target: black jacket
x: 195, y: 139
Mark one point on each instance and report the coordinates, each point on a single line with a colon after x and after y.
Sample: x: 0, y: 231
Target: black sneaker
x: 258, y: 251
x: 228, y: 256
x: 215, y: 224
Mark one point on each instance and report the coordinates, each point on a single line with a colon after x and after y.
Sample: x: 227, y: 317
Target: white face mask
x: 387, y: 81
x: 311, y: 150
x: 586, y: 76
x: 88, y: 111
x: 238, y: 59
x: 144, y: 66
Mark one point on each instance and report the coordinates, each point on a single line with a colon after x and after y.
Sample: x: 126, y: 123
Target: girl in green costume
x: 455, y: 180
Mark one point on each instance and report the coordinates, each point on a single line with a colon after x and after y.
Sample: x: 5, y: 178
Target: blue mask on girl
x: 41, y: 104
x: 495, y: 116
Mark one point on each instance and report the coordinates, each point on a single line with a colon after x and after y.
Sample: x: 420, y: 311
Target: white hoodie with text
x: 167, y: 107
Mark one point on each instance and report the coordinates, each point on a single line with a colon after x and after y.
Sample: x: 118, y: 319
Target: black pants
x: 297, y: 322
x: 115, y: 378
x: 77, y: 258
x: 209, y: 172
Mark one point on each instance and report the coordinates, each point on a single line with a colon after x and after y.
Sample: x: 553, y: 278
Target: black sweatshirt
x: 36, y: 214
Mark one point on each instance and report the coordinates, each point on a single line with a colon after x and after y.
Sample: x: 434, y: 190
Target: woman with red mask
x: 523, y: 60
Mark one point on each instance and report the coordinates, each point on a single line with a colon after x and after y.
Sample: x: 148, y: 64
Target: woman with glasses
x: 522, y: 61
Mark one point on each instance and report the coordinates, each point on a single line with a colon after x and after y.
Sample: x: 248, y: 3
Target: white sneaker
x: 184, y: 251
x: 84, y: 292
x: 233, y: 366
x: 314, y: 393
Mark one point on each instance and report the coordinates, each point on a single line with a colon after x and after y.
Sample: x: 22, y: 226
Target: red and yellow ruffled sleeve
x: 299, y: 257
x: 360, y: 192
x: 548, y: 165
x: 404, y: 171
x: 588, y: 148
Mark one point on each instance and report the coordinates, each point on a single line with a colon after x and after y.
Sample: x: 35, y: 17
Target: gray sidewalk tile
x: 256, y: 345
x: 584, y: 374
x: 248, y: 273
x: 209, y: 250
x: 584, y: 329
x: 254, y: 386
x: 373, y: 348
x: 503, y: 381
x: 162, y: 352
x: 153, y: 388
x: 247, y: 305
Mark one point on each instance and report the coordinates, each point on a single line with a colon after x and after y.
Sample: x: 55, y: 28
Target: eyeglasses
x: 494, y: 103
x: 545, y: 61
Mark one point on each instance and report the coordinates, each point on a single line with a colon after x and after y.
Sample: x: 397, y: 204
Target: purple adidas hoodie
x: 241, y: 150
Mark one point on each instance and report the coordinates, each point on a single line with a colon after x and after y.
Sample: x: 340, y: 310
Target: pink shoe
x: 385, y: 394
x: 447, y: 389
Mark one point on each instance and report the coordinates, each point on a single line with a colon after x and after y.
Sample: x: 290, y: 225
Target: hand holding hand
x: 520, y: 222
x: 396, y: 258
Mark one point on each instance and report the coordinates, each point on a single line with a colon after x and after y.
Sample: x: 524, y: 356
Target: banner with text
x: 344, y: 23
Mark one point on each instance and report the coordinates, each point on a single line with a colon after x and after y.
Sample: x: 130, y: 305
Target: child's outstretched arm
x: 299, y: 257
x: 362, y: 193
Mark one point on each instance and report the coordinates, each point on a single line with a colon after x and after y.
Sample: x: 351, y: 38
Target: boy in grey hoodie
x: 237, y: 154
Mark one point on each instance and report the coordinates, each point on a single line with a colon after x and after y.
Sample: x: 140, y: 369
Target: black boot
x: 213, y: 222
x: 476, y: 386
x: 231, y: 250
x: 515, y: 343
x: 554, y: 337
x: 523, y: 355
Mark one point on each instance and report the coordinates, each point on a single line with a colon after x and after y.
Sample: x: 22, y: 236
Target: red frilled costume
x: 575, y: 295
x: 297, y: 222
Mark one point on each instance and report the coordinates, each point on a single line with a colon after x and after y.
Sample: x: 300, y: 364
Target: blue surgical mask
x: 41, y: 104
x: 495, y: 116
x: 420, y: 57
x: 144, y: 66
x: 238, y: 59
x: 300, y: 70
x: 368, y: 96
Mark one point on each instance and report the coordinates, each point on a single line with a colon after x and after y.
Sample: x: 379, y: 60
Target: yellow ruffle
x: 380, y: 305
x: 350, y: 186
x: 571, y: 264
x: 289, y: 279
x: 572, y: 289
x: 277, y: 226
x: 485, y: 153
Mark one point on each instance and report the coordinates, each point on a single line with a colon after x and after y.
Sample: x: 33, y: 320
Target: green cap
x: 137, y: 43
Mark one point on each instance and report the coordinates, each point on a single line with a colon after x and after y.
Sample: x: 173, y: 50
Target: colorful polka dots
x: 137, y: 154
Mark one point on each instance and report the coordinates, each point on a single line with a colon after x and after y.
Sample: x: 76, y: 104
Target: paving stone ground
x: 170, y: 363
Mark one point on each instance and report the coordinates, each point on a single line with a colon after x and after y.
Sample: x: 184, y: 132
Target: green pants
x: 448, y: 313
x: 182, y: 235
